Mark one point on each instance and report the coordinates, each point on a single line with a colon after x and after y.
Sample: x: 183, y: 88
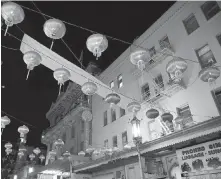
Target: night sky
x: 30, y: 100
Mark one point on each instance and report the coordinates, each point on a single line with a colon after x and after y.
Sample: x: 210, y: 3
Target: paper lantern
x: 96, y: 152
x: 89, y: 88
x: 12, y: 13
x: 23, y: 130
x: 177, y: 67
x: 67, y: 154
x: 112, y: 99
x: 31, y: 156
x: 8, y: 145
x: 97, y: 44
x: 59, y: 143
x: 209, y: 74
x: 167, y: 117
x: 81, y: 153
x: 152, y: 113
x: 20, y: 154
x: 42, y: 157
x: 54, y: 29
x: 37, y: 151
x: 8, y: 151
x: 5, y: 121
x: 87, y: 115
x: 32, y: 59
x: 139, y: 58
x: 22, y: 149
x: 90, y: 149
x: 61, y: 75
x: 133, y: 107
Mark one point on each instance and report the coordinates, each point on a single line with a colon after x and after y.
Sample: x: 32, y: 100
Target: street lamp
x: 137, y: 139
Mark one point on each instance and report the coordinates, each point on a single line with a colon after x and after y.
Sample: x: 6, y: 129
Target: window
x: 165, y: 43
x: 122, y: 112
x: 184, y: 111
x: 217, y: 98
x: 105, y: 118
x: 82, y: 146
x: 210, y: 9
x: 120, y: 81
x: 191, y: 24
x: 106, y: 143
x: 205, y: 56
x: 152, y: 51
x: 90, y: 133
x: 159, y: 81
x: 115, y: 141
x: 145, y: 90
x: 111, y: 84
x: 124, y: 138
x: 219, y: 38
x: 82, y: 126
x: 72, y: 150
x: 64, y: 137
x: 73, y: 132
x: 113, y: 115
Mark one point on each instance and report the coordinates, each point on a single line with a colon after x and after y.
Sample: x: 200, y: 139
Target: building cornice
x: 199, y: 130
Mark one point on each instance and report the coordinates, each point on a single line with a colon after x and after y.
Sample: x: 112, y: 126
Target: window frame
x: 163, y: 46
x: 187, y: 21
x: 112, y: 82
x: 113, y: 111
x: 120, y: 81
x: 152, y: 51
x: 161, y: 86
x: 113, y: 141
x: 105, y: 121
x: 145, y: 95
x: 122, y: 135
x: 73, y: 131
x: 106, y: 143
x: 182, y: 107
x: 199, y: 56
x: 206, y: 14
x: 122, y: 112
x: 218, y: 106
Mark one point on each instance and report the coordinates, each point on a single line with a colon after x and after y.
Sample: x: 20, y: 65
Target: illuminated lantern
x: 89, y: 88
x: 87, y: 115
x: 152, y: 113
x: 90, y: 149
x: 81, y: 153
x: 54, y: 29
x: 136, y: 130
x: 32, y: 59
x: 127, y: 146
x: 67, y: 154
x: 31, y: 156
x: 20, y: 154
x: 176, y: 68
x: 97, y: 44
x: 61, y: 75
x: 5, y: 121
x: 42, y: 157
x: 8, y: 145
x: 133, y: 107
x: 12, y: 13
x: 59, y: 144
x: 139, y: 58
x: 23, y: 130
x: 37, y: 151
x: 8, y: 151
x: 209, y: 74
x: 112, y: 99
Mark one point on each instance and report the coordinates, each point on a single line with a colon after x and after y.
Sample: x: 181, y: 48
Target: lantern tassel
x: 52, y: 43
x: 6, y: 30
x: 28, y: 74
x: 59, y: 89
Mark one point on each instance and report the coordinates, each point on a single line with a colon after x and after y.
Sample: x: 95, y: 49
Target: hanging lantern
x: 42, y: 157
x: 112, y: 99
x: 20, y: 154
x: 89, y: 88
x: 22, y: 149
x: 176, y: 68
x: 139, y: 58
x: 8, y: 151
x: 209, y: 74
x: 167, y: 117
x: 115, y: 149
x: 81, y: 153
x: 61, y: 75
x: 67, y: 154
x: 87, y: 115
x: 97, y: 44
x: 32, y: 59
x: 133, y: 107
x: 37, y: 151
x: 12, y: 13
x: 127, y: 146
x: 96, y: 152
x: 8, y: 145
x: 54, y: 29
x: 59, y: 144
x: 31, y: 156
x: 23, y: 130
x: 90, y: 149
x: 152, y: 113
x: 5, y: 121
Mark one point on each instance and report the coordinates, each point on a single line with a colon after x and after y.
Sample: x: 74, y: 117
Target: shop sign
x: 202, y: 157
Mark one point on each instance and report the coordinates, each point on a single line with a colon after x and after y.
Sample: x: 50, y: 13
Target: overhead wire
x: 10, y: 48
x: 75, y: 71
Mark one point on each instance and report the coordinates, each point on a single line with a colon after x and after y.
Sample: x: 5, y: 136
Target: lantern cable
x: 17, y: 119
x: 79, y: 73
x: 9, y: 48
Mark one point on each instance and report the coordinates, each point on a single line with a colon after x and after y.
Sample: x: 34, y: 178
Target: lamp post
x: 137, y: 139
